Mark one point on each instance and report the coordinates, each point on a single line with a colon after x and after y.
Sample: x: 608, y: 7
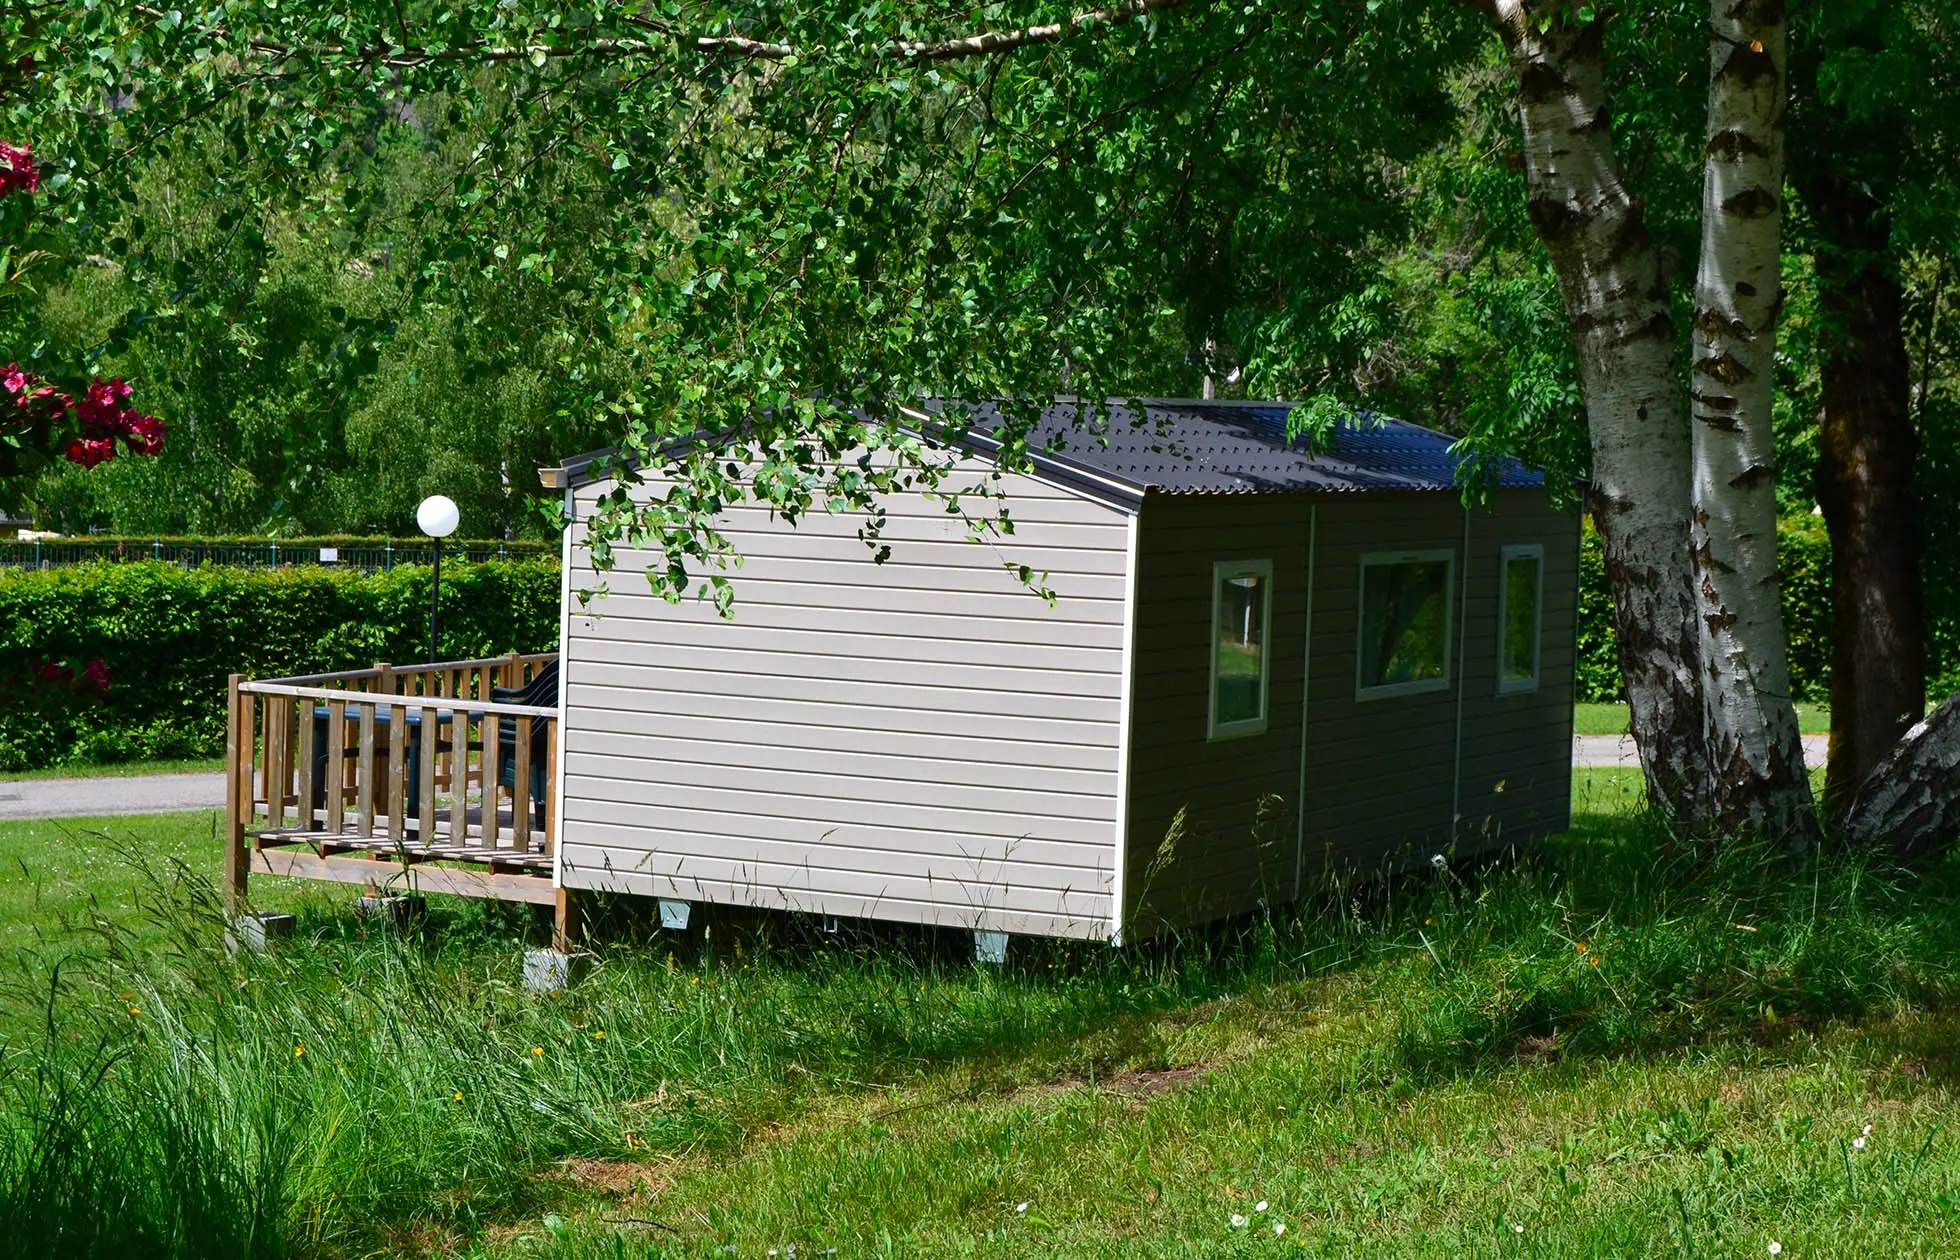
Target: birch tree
x: 1754, y: 746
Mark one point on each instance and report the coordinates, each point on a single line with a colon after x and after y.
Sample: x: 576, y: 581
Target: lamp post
x: 437, y: 517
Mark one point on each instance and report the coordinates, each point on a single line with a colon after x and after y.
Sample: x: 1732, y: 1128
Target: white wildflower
x: 1775, y: 1247
x: 1517, y: 1229
x: 1259, y: 1206
x: 1866, y: 1131
x: 1279, y: 1227
x: 1438, y: 861
x: 1238, y: 1221
x: 1858, y: 1144
x: 1019, y: 1208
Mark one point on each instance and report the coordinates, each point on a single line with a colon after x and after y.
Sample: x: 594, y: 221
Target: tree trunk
x: 1864, y: 484
x: 1754, y: 745
x: 1616, y: 306
x: 1910, y: 802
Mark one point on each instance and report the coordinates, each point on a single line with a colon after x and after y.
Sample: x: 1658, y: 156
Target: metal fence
x: 368, y: 555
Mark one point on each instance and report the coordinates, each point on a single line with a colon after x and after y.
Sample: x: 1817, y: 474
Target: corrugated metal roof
x: 1180, y: 446
x: 1190, y: 446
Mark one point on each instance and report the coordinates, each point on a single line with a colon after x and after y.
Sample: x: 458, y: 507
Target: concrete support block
x: 552, y: 971
x: 255, y: 933
x: 393, y: 912
x: 990, y: 947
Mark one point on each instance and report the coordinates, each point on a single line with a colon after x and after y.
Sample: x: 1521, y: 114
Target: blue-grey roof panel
x: 1203, y: 447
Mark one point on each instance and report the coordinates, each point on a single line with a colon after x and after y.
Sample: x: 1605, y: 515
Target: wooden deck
x: 413, y: 778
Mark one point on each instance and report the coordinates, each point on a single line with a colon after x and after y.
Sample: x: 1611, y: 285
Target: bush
x: 118, y: 662
x: 1804, y: 552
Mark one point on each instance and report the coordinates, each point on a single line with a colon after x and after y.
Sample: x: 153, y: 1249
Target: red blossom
x: 54, y: 673
x: 102, y: 414
x: 97, y: 673
x: 17, y: 170
x: 88, y: 452
x: 143, y: 435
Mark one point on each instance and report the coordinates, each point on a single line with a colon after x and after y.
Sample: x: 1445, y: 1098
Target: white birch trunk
x: 1910, y: 802
x: 1616, y: 305
x: 1754, y: 747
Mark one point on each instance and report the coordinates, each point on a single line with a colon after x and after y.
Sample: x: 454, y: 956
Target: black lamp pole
x: 435, y: 597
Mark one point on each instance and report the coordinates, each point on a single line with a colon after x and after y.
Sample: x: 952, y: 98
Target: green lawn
x: 1611, y: 719
x: 1623, y: 1054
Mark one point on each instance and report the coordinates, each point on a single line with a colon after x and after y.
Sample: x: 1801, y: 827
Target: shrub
x: 115, y: 662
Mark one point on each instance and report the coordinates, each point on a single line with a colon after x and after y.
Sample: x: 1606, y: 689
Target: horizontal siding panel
x: 801, y: 718
x: 763, y: 662
x: 678, y: 741
x: 964, y: 600
x: 894, y: 803
x: 906, y: 572
x: 738, y: 688
x: 804, y: 724
x: 753, y: 622
x: 846, y: 558
x: 1087, y: 895
x: 706, y: 638
x: 699, y: 762
x: 1051, y: 864
x: 585, y: 868
x: 679, y: 833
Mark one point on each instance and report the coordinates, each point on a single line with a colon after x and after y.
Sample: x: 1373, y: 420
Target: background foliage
x: 170, y: 636
x: 1804, y: 550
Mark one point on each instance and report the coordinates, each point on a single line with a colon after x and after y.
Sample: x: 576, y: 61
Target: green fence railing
x: 369, y: 555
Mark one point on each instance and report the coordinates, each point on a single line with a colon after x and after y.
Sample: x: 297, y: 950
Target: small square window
x: 1404, y: 644
x: 1241, y: 626
x: 1519, y: 601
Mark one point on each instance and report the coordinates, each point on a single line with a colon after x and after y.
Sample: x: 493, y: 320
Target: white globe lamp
x: 437, y: 517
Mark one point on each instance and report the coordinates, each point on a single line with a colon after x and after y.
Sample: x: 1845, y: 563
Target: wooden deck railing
x: 374, y: 775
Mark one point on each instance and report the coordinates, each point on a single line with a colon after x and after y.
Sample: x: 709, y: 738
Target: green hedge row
x: 117, y: 662
x: 1804, y: 554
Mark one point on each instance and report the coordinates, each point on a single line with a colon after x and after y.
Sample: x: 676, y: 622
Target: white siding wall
x: 920, y: 740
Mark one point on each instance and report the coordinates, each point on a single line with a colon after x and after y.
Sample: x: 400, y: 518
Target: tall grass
x: 168, y: 1099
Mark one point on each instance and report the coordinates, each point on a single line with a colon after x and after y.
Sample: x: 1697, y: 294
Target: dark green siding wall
x: 1385, y: 785
x: 1237, y: 843
x: 1379, y: 772
x: 1516, y: 780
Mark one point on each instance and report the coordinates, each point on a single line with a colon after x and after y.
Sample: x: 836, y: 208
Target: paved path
x: 133, y: 794
x: 175, y: 793
x: 1617, y: 750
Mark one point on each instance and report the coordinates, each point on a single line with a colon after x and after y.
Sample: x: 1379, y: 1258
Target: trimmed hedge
x: 164, y: 639
x: 1804, y: 554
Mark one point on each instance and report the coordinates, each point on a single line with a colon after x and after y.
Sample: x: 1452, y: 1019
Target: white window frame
x: 1518, y: 551
x: 1221, y: 572
x: 1385, y: 559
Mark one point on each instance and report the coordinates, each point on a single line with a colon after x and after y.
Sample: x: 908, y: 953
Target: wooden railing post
x: 238, y: 797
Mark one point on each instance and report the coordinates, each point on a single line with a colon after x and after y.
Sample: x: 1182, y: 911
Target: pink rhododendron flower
x: 54, y: 673
x: 142, y: 434
x: 88, y: 452
x: 17, y: 170
x: 97, y: 673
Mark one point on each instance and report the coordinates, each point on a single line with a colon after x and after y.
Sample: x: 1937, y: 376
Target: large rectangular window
x: 1522, y: 569
x: 1241, y: 625
x: 1405, y: 624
